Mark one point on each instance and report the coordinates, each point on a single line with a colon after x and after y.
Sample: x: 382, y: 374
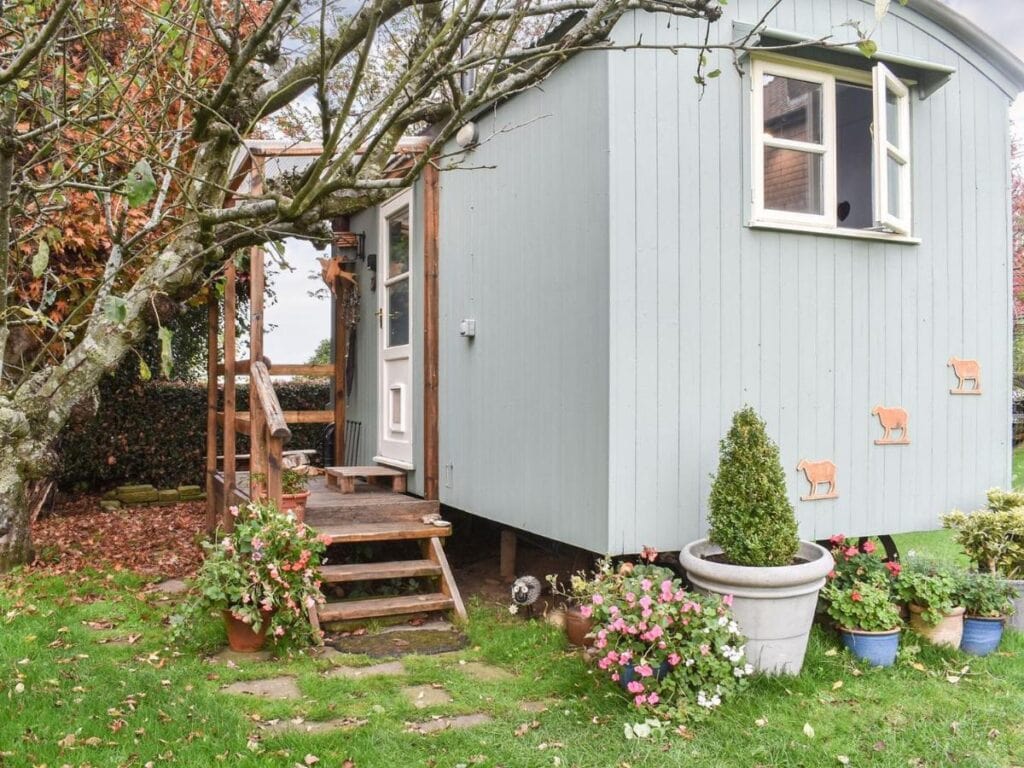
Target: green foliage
x: 860, y: 563
x: 863, y: 605
x: 265, y: 568
x: 750, y: 515
x: 140, y: 185
x: 936, y: 587
x: 155, y: 432
x: 993, y: 537
x: 985, y: 594
x: 293, y: 482
x: 322, y: 354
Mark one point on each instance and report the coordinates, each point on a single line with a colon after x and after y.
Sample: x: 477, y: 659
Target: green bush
x: 993, y: 537
x: 750, y: 515
x: 155, y: 432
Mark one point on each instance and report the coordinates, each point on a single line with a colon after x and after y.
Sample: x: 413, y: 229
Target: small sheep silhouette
x: 818, y: 472
x: 892, y: 419
x: 966, y: 370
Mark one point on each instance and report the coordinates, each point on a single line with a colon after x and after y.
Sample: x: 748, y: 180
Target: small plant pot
x: 877, y: 648
x: 947, y: 632
x: 981, y: 634
x: 577, y: 627
x: 242, y: 637
x: 296, y: 502
x: 629, y: 674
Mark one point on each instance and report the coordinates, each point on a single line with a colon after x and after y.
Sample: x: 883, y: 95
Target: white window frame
x: 886, y: 225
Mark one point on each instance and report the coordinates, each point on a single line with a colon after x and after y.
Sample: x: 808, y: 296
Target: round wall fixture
x: 467, y: 135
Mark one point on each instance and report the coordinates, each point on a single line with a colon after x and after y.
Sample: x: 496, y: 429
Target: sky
x: 301, y: 322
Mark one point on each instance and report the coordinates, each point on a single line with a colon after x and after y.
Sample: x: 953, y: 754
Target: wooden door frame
x: 431, y: 321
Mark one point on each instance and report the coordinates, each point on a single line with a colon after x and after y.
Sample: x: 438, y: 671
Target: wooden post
x: 257, y: 289
x: 211, y: 407
x: 431, y: 321
x: 229, y: 394
x: 340, y: 359
x: 507, y: 560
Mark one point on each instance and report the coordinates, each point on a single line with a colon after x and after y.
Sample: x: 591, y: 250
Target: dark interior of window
x: 853, y: 156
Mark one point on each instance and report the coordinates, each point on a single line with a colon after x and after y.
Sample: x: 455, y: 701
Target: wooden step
x: 356, y: 533
x: 344, y: 478
x: 350, y: 610
x: 400, y: 569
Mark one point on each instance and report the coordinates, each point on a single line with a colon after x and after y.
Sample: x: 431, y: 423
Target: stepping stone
x: 171, y: 587
x: 388, y: 668
x: 270, y: 688
x: 534, y: 707
x: 486, y: 673
x: 444, y: 723
x: 229, y: 657
x: 313, y: 726
x: 434, y: 625
x: 400, y: 641
x: 423, y: 696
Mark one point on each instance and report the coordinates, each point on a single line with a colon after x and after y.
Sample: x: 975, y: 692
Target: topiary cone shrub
x: 750, y: 516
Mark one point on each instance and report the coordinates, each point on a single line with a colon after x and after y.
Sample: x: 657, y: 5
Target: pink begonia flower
x: 630, y: 598
x: 615, y: 677
x: 674, y: 659
x: 613, y: 609
x: 656, y: 632
x: 680, y: 595
x: 233, y: 511
x: 644, y: 670
x: 640, y: 700
x: 613, y: 656
x: 585, y: 611
x: 705, y: 649
x: 604, y: 663
x: 645, y: 585
x: 634, y: 686
x: 646, y: 602
x: 647, y: 613
x: 666, y: 586
x: 600, y: 642
x: 598, y: 599
x: 662, y: 645
x: 727, y: 600
x: 653, y: 698
x: 625, y: 657
x: 278, y: 631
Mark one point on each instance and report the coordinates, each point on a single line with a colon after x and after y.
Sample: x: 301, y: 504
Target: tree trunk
x: 22, y: 458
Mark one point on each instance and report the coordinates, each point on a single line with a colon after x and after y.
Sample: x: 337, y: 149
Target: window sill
x: 854, y: 234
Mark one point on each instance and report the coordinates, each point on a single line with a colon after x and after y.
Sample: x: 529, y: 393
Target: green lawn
x: 68, y: 699
x: 1018, y: 467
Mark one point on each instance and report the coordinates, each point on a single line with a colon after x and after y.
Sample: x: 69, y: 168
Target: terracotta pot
x: 296, y: 502
x: 947, y: 632
x: 577, y: 627
x: 242, y: 637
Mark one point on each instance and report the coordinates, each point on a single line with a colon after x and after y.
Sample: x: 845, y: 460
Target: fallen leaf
x: 919, y: 666
x: 954, y: 679
x: 993, y: 734
x: 761, y: 722
x: 808, y: 731
x: 954, y: 727
x: 837, y: 685
x: 843, y: 759
x: 311, y: 759
x: 68, y: 741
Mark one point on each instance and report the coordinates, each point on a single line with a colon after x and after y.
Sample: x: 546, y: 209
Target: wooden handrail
x: 268, y: 402
x: 282, y: 369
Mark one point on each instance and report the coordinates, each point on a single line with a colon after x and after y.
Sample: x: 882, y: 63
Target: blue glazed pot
x: 877, y: 648
x: 628, y: 674
x: 981, y: 635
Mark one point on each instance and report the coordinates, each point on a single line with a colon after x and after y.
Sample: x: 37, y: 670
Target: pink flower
x: 837, y: 539
x: 630, y: 598
x: 640, y: 700
x: 705, y: 649
x: 644, y: 670
x: 634, y: 686
x: 674, y: 659
x: 666, y: 586
x: 727, y: 600
x: 653, y: 698
x: 894, y: 568
x: 850, y: 552
x: 613, y: 609
x: 613, y: 656
x: 646, y: 602
x: 869, y: 546
x: 604, y: 663
x: 233, y: 511
x: 278, y: 631
x: 586, y: 611
x: 656, y: 632
x: 856, y: 596
x: 646, y: 585
x: 600, y: 642
x: 625, y: 657
x: 650, y: 554
x: 597, y: 599
x: 615, y: 677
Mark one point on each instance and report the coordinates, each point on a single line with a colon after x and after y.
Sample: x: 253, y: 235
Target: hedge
x: 155, y: 432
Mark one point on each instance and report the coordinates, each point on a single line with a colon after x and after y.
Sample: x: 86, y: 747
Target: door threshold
x: 396, y: 463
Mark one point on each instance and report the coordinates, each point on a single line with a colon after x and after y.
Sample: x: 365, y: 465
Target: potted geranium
x: 931, y: 591
x: 867, y: 619
x: 988, y: 601
x: 753, y: 552
x: 262, y: 577
x: 294, y: 493
x: 994, y: 539
x: 677, y: 652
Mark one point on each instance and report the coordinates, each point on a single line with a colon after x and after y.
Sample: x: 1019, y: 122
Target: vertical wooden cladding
x: 212, y: 328
x: 707, y: 315
x: 431, y: 320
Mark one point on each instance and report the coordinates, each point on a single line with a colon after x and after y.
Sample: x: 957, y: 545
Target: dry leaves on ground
x: 158, y: 541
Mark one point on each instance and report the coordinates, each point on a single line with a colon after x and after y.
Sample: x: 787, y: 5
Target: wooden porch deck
x: 374, y: 513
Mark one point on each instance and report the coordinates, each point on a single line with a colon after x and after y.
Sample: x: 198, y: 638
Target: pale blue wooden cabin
x: 635, y: 260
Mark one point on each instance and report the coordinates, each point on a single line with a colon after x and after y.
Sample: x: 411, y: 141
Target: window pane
x: 792, y: 181
x: 398, y: 313
x: 398, y: 244
x: 792, y: 109
x: 892, y: 119
x: 853, y: 156
x: 894, y: 169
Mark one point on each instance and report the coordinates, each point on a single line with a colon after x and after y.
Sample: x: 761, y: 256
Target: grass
x: 87, y: 703
x: 1018, y: 466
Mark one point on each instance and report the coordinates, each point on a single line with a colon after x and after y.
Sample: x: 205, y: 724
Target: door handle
x: 380, y: 317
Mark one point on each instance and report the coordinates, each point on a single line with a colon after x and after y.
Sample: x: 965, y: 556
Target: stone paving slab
x: 313, y: 726
x: 534, y: 707
x: 486, y: 673
x: 423, y: 696
x: 269, y: 688
x: 230, y: 657
x: 445, y: 723
x: 388, y: 668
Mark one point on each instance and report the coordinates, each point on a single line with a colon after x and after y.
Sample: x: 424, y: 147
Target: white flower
x: 737, y: 671
x: 513, y: 609
x: 723, y: 620
x: 690, y: 662
x: 734, y: 628
x: 748, y: 668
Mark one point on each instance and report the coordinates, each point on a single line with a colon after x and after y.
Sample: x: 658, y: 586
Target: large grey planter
x: 1017, y: 620
x: 774, y: 607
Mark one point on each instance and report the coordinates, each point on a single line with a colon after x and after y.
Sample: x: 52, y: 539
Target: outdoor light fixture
x: 350, y: 246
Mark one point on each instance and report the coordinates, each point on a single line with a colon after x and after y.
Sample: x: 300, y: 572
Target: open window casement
x: 891, y: 156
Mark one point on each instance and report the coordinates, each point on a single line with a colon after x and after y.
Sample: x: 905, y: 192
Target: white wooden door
x: 395, y: 328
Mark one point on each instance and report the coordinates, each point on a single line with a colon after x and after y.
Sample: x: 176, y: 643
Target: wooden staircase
x: 358, y: 514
